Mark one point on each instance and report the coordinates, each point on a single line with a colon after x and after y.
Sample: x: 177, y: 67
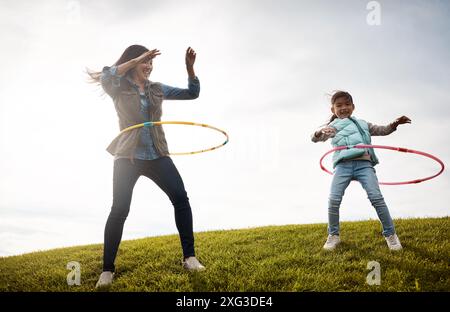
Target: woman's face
x: 342, y: 108
x: 143, y: 70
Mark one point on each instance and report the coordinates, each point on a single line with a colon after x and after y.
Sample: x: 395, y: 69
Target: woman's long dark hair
x: 130, y: 53
x: 338, y: 94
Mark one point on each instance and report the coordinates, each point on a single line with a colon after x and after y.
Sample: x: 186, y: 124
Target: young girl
x: 144, y: 151
x: 355, y: 164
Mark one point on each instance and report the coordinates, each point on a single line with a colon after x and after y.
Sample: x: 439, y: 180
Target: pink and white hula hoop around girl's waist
x: 398, y: 149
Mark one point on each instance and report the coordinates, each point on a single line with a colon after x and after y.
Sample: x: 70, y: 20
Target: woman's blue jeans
x: 363, y: 172
x: 164, y: 173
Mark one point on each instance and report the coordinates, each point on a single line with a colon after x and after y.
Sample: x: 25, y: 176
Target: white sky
x: 265, y: 68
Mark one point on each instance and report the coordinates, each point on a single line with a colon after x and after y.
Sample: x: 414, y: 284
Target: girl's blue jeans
x: 363, y: 172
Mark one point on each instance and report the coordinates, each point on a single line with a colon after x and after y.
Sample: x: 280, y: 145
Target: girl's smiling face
x: 342, y: 107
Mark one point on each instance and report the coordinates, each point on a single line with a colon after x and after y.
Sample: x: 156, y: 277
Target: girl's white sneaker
x: 192, y: 264
x: 332, y: 242
x: 393, y: 242
x: 105, y: 279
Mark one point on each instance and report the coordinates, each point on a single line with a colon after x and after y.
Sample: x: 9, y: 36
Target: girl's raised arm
x: 400, y: 121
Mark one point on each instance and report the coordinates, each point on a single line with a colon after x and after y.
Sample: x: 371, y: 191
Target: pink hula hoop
x: 398, y: 149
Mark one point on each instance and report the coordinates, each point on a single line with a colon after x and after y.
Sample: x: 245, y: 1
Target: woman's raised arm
x: 123, y: 68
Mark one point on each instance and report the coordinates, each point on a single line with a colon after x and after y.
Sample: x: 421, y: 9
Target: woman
x: 143, y: 151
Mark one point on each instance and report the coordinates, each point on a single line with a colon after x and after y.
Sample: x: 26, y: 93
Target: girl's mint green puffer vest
x: 348, y: 134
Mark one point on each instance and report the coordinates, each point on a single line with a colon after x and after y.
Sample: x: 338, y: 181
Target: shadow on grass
x: 198, y: 281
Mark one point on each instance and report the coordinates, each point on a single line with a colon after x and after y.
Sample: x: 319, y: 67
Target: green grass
x: 272, y: 258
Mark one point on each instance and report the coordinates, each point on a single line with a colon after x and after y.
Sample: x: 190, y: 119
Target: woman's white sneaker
x: 393, y: 242
x: 192, y: 264
x: 105, y: 279
x: 332, y: 242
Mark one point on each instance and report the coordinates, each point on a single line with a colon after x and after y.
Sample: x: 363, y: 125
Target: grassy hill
x: 272, y: 258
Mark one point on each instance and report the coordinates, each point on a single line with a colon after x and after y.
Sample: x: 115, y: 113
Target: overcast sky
x: 265, y: 69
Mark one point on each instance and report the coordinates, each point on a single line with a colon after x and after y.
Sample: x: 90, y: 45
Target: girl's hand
x: 401, y: 120
x: 328, y: 131
x: 190, y: 57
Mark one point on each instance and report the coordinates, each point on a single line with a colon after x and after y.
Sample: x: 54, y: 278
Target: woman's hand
x: 190, y: 57
x: 147, y: 56
x: 144, y: 57
x: 401, y: 120
x: 190, y: 60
